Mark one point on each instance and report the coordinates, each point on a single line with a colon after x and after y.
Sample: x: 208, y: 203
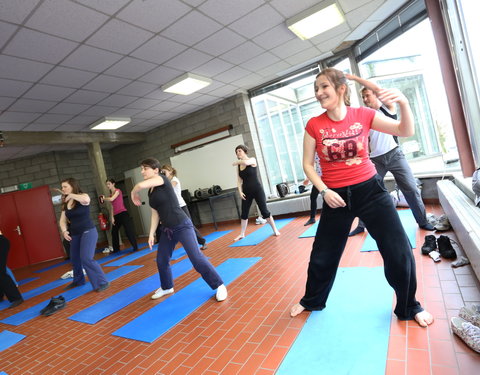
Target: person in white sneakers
x: 175, y: 227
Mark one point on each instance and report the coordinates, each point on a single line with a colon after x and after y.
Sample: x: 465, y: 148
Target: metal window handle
x: 19, y: 231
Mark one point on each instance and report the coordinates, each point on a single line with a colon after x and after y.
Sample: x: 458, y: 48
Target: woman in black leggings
x: 250, y: 188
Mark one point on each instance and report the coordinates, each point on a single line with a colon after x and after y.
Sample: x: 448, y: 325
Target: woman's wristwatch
x: 322, y: 193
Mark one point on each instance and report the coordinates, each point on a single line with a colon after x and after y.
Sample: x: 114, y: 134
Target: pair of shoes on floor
x: 222, y: 293
x: 310, y: 222
x: 55, y: 304
x: 442, y: 243
x: 467, y: 326
x: 161, y: 292
x: 16, y: 303
x: 102, y: 287
x: 356, y: 231
x: 440, y: 223
x: 260, y: 220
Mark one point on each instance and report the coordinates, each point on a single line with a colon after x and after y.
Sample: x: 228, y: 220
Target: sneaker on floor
x: 462, y: 261
x: 16, y: 303
x: 435, y: 255
x: 102, y: 287
x: 469, y: 333
x: 429, y: 245
x: 432, y: 219
x: 443, y: 223
x: 310, y: 222
x: 204, y: 247
x: 222, y: 293
x: 160, y: 293
x: 106, y: 250
x: 356, y: 231
x: 55, y: 304
x: 427, y: 226
x: 445, y: 248
x: 470, y: 314
x: 260, y: 220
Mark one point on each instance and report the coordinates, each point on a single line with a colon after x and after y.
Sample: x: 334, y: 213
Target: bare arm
x: 250, y: 161
x: 146, y: 184
x: 371, y: 86
x: 63, y: 226
x: 153, y: 227
x: 83, y: 199
x: 113, y: 197
x: 239, y: 185
x: 404, y: 127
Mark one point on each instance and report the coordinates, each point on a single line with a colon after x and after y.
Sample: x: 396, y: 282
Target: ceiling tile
x: 40, y: 127
x: 243, y: 52
x: 259, y: 62
x: 161, y: 75
x: 6, y: 31
x: 138, y: 89
x: 18, y: 117
x: 68, y: 77
x: 191, y: 28
x: 28, y: 105
x: 349, y: 5
x: 159, y: 95
x: 91, y: 59
x: 25, y: 70
x: 106, y: 6
x: 289, y: 8
x: 66, y: 19
x: 274, y: 37
x: 165, y: 106
x: 291, y: 47
x: 34, y: 45
x: 273, y: 69
x: 86, y: 97
x: 248, y: 81
x: 220, y: 42
x: 69, y: 108
x: 53, y: 118
x: 232, y: 75
x: 129, y: 67
x: 99, y: 111
x: 188, y: 60
x: 158, y: 50
x: 126, y: 112
x: 148, y: 114
x: 10, y: 87
x: 143, y: 103
x: 303, y: 57
x: 153, y: 15
x: 229, y: 11
x: 81, y: 120
x: 257, y: 21
x: 16, y: 11
x: 119, y: 36
x: 213, y: 67
x: 118, y: 101
x: 5, y: 102
x: 106, y: 83
x: 48, y: 92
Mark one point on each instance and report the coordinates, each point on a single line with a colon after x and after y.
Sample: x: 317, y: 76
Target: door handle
x: 19, y: 231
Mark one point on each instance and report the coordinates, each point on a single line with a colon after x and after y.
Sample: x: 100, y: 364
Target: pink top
x: 117, y: 203
x: 342, y: 147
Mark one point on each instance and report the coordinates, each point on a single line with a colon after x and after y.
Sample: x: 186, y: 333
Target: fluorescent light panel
x: 110, y: 123
x: 186, y: 84
x: 316, y: 20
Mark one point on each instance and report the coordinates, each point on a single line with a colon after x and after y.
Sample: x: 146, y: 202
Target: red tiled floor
x: 250, y: 332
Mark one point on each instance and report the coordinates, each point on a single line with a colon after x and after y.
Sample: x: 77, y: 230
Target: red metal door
x: 38, y: 224
x: 10, y: 226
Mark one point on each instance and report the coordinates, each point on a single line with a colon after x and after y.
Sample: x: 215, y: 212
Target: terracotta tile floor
x: 251, y: 332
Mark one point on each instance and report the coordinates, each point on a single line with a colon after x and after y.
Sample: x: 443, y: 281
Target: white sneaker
x: 222, y: 293
x: 160, y: 293
x: 106, y: 250
x: 260, y: 220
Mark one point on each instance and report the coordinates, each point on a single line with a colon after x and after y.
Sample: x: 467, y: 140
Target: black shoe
x: 204, y: 246
x: 429, y: 245
x: 55, y: 304
x: 102, y: 287
x: 427, y: 226
x: 16, y: 303
x: 356, y: 231
x: 310, y: 222
x: 71, y: 285
x: 445, y: 248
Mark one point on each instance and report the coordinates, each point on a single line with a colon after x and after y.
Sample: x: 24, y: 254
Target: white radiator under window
x: 291, y: 204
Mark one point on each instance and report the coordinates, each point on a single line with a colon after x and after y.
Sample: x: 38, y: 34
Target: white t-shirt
x: 178, y: 191
x: 380, y: 143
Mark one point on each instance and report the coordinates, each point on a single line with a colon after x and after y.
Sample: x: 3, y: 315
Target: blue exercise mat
x: 310, y: 232
x: 27, y: 280
x: 52, y: 266
x: 261, y: 234
x: 112, y: 304
x: 34, y: 311
x: 350, y: 336
x: 159, y: 319
x: 180, y: 252
x: 409, y: 224
x: 131, y: 257
x: 8, y: 339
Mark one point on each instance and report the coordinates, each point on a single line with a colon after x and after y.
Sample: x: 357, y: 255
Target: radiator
x: 290, y: 205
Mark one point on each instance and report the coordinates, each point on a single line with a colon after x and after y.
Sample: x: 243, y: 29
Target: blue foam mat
x: 52, y: 266
x: 27, y: 280
x: 180, y: 252
x: 178, y: 306
x: 350, y: 336
x: 34, y: 311
x: 112, y: 304
x: 261, y: 234
x: 310, y: 232
x: 8, y: 339
x: 409, y: 224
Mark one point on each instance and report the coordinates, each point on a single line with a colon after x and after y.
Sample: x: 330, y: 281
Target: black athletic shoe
x: 445, y: 248
x: 356, y: 231
x: 102, y: 287
x: 429, y: 245
x: 16, y: 303
x: 55, y: 304
x: 310, y: 222
x: 72, y: 285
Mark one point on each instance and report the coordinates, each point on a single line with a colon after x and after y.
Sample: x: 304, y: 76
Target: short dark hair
x: 151, y: 162
x: 242, y: 147
x: 112, y: 180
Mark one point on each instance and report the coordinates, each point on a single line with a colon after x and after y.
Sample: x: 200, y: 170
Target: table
x: 212, y: 199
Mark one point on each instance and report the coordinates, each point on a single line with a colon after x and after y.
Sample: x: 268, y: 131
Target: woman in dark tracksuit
x: 250, y: 188
x: 7, y: 285
x: 175, y: 227
x: 82, y: 235
x: 351, y: 187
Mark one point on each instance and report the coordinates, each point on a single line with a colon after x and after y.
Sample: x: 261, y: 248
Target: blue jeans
x: 185, y: 234
x: 371, y: 202
x: 82, y: 251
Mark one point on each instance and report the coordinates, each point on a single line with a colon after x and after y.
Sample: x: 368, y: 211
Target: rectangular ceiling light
x: 316, y: 20
x: 110, y: 123
x: 186, y: 84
